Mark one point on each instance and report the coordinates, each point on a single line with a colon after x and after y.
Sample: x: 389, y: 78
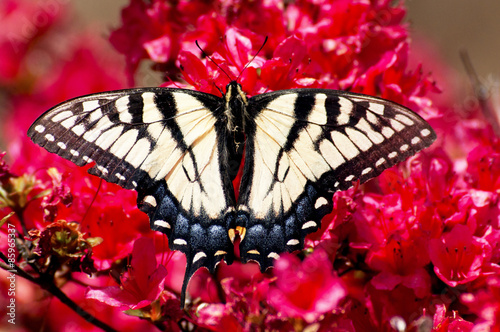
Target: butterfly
x: 181, y: 149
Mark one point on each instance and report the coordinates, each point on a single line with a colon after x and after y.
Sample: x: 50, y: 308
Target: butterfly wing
x: 302, y: 146
x: 169, y: 145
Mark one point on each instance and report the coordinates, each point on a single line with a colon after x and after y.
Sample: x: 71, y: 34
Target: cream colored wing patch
x: 284, y: 173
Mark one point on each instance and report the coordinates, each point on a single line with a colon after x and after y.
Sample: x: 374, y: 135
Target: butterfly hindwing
x: 168, y: 145
x: 304, y: 145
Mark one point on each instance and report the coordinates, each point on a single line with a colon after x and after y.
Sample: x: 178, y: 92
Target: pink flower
x: 243, y: 308
x: 5, y: 173
x: 59, y: 317
x: 305, y: 289
x: 458, y: 256
x: 216, y: 317
x: 445, y: 322
x: 22, y: 23
x: 399, y: 263
x: 385, y: 306
x: 485, y: 303
x: 336, y: 226
x: 282, y: 71
x: 60, y: 193
x: 142, y: 284
x: 343, y: 38
x: 154, y: 30
x: 433, y: 177
x: 106, y: 216
x: 101, y: 208
x: 484, y: 167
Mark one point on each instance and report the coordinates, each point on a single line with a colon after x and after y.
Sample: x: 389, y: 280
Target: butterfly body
x: 181, y: 150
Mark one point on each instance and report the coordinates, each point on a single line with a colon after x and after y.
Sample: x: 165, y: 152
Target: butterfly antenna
x: 249, y: 62
x: 210, y: 58
x: 220, y: 90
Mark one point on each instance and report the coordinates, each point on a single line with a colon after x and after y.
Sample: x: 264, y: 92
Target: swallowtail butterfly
x: 181, y: 149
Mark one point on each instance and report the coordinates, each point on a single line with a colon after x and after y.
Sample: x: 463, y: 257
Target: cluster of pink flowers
x: 412, y: 250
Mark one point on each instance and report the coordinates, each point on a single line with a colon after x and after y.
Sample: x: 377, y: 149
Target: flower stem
x: 49, y: 286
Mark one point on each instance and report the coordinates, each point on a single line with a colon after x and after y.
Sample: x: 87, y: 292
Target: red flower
x: 485, y: 303
x: 399, y: 263
x: 22, y: 23
x: 432, y: 176
x: 114, y: 217
x: 444, y: 322
x: 399, y: 305
x: 59, y: 193
x: 484, y: 167
x: 143, y: 283
x: 243, y: 308
x: 341, y: 38
x: 336, y: 226
x: 153, y: 30
x: 5, y: 173
x: 306, y: 289
x: 217, y: 318
x: 458, y: 256
x: 282, y: 71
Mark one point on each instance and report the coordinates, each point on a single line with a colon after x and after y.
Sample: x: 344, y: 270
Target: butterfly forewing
x: 304, y: 145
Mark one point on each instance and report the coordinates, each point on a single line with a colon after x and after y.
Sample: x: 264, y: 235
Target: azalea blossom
x: 307, y: 289
x: 458, y: 256
x: 485, y: 303
x: 142, y: 284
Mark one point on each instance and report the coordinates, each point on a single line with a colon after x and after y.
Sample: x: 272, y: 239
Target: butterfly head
x: 235, y: 94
